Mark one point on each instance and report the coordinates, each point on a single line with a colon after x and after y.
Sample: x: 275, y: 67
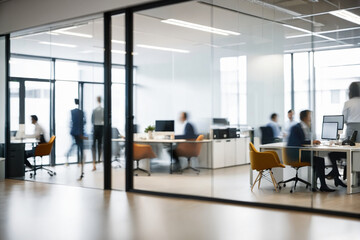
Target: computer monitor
x: 335, y: 118
x: 164, y: 125
x: 220, y: 121
x: 329, y: 130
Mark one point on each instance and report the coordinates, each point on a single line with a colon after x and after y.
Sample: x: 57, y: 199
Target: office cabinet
x: 15, y: 160
x: 218, y: 152
x: 230, y: 152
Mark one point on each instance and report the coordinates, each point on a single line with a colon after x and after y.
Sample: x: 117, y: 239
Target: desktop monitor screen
x: 335, y: 118
x: 329, y: 130
x: 164, y: 125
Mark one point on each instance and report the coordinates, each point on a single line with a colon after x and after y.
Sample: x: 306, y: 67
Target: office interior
x: 235, y: 60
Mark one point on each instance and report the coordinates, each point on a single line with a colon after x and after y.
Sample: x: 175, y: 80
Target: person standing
x: 351, y: 112
x: 290, y: 122
x: 97, y: 120
x: 78, y: 122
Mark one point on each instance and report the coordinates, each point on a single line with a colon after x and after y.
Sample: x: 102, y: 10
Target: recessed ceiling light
x: 59, y: 44
x: 118, y: 41
x: 65, y: 32
x: 346, y: 15
x: 162, y: 48
x: 199, y: 27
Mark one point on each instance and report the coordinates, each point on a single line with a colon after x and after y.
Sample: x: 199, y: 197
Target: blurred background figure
x: 78, y: 122
x: 290, y: 122
x: 189, y: 130
x: 97, y: 120
x: 274, y: 125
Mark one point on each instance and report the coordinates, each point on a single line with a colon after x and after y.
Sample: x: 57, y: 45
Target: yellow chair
x: 189, y: 150
x: 140, y: 152
x: 264, y: 161
x: 296, y: 164
x: 43, y: 149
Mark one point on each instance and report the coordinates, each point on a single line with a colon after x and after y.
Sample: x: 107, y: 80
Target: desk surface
x: 339, y: 148
x: 24, y: 140
x: 162, y: 140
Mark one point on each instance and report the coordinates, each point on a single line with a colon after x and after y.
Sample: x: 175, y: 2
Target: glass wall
x: 3, y: 65
x: 57, y: 75
x: 231, y: 65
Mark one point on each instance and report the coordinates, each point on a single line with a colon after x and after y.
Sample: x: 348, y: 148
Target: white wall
x: 2, y: 89
x: 17, y: 15
x: 265, y: 88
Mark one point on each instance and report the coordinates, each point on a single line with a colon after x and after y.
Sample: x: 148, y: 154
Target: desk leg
x: 171, y: 158
x: 348, y: 172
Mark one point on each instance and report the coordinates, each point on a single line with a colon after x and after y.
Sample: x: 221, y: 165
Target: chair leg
x: 274, y: 181
x: 190, y: 167
x: 261, y: 173
x: 257, y: 177
x: 140, y: 169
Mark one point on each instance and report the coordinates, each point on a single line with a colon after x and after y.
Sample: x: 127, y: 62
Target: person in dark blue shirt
x: 78, y: 122
x: 300, y: 134
x: 189, y: 130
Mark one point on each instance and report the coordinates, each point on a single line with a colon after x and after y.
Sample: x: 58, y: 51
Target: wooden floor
x: 227, y: 183
x: 31, y: 210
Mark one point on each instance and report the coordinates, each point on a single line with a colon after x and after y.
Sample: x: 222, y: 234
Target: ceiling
x: 265, y: 27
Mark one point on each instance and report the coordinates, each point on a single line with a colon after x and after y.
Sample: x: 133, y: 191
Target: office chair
x: 267, y: 135
x: 262, y: 162
x: 140, y: 152
x: 116, y: 147
x: 296, y: 164
x: 189, y: 150
x: 43, y: 149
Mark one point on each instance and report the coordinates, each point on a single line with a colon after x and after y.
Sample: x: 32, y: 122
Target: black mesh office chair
x: 267, y: 135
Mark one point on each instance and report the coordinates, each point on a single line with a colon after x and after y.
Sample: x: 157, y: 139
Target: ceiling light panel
x: 346, y: 15
x: 199, y: 27
x: 162, y: 48
x: 59, y: 44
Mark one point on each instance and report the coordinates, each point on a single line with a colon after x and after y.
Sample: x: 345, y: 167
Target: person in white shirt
x: 97, y: 120
x: 274, y: 125
x: 351, y: 112
x: 38, y: 134
x: 291, y: 122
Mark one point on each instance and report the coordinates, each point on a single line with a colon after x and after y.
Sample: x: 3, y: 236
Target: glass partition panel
x: 176, y: 99
x: 3, y: 76
x: 51, y: 69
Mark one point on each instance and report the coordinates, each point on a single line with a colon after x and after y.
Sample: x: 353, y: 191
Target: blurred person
x: 189, y: 130
x: 351, y: 112
x: 97, y: 120
x: 290, y: 122
x: 188, y: 133
x: 38, y: 135
x: 274, y: 125
x: 300, y: 134
x: 78, y: 122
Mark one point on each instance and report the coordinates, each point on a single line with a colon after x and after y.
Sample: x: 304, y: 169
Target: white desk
x: 170, y: 142
x: 352, y: 160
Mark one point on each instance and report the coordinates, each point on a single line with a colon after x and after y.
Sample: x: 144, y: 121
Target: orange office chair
x: 142, y: 151
x: 189, y: 150
x: 43, y: 149
x: 264, y: 161
x: 296, y: 164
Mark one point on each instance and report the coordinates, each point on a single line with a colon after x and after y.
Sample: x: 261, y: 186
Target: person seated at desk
x: 300, y: 134
x: 274, y: 125
x: 38, y: 135
x: 189, y: 133
x: 189, y: 130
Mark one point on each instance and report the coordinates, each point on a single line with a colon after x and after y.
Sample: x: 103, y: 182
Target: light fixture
x: 117, y: 41
x: 162, y: 48
x: 73, y: 33
x: 118, y: 51
x: 59, y: 44
x: 199, y: 27
x: 346, y: 15
x: 309, y: 33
